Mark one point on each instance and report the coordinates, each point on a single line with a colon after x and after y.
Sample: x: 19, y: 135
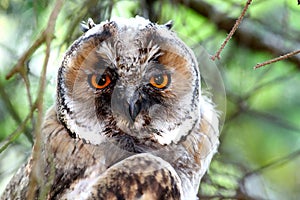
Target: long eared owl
x: 130, y: 120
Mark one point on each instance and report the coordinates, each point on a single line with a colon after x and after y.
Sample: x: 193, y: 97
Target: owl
x: 130, y: 119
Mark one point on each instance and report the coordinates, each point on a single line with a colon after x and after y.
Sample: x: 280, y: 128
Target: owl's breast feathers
x: 85, y: 171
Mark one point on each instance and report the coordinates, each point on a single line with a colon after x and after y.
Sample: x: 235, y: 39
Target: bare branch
x: 37, y: 153
x: 234, y: 28
x: 276, y: 59
x: 246, y: 36
x: 12, y: 111
x: 281, y: 161
x: 12, y: 137
x: 29, y: 97
x: 20, y: 66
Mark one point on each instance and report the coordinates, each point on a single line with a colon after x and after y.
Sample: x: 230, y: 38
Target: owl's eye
x: 160, y: 81
x: 99, y: 81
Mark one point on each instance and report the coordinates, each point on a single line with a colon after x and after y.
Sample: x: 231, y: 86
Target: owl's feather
x: 130, y: 120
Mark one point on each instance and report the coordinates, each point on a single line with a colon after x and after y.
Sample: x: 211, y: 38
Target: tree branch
x: 12, y: 137
x: 233, y: 30
x: 38, y: 165
x: 20, y: 67
x: 10, y: 108
x: 278, y: 162
x: 246, y: 35
x: 283, y: 57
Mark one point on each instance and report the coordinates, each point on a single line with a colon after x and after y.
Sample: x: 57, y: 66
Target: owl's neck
x: 135, y: 145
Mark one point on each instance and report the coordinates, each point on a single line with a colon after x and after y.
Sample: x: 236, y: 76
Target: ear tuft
x: 169, y: 24
x: 85, y: 26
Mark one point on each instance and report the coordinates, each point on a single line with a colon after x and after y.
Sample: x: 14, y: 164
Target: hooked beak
x: 135, y: 105
x: 128, y: 103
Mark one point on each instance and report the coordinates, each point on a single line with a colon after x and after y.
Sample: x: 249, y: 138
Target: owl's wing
x: 17, y: 187
x: 141, y: 176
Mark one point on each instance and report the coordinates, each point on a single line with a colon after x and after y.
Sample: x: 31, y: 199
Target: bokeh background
x: 259, y: 155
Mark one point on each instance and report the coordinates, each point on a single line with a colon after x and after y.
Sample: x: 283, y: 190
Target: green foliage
x: 262, y: 126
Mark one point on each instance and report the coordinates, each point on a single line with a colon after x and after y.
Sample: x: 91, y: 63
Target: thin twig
x: 254, y: 39
x: 38, y: 165
x: 278, y: 162
x: 27, y: 86
x: 12, y: 111
x: 276, y: 59
x: 20, y: 67
x: 235, y: 27
x: 12, y: 137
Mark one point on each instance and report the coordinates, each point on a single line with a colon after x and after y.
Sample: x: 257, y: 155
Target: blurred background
x: 259, y: 155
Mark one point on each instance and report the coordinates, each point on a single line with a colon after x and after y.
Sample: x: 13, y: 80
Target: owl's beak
x: 135, y: 105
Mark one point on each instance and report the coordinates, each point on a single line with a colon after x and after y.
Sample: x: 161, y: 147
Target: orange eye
x: 160, y: 81
x: 99, y: 81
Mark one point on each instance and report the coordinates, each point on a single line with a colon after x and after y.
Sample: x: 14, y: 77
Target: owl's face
x: 131, y: 81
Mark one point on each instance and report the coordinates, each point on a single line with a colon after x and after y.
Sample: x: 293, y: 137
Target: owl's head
x: 129, y: 80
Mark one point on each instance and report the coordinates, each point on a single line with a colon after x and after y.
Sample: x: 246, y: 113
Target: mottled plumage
x: 130, y: 120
